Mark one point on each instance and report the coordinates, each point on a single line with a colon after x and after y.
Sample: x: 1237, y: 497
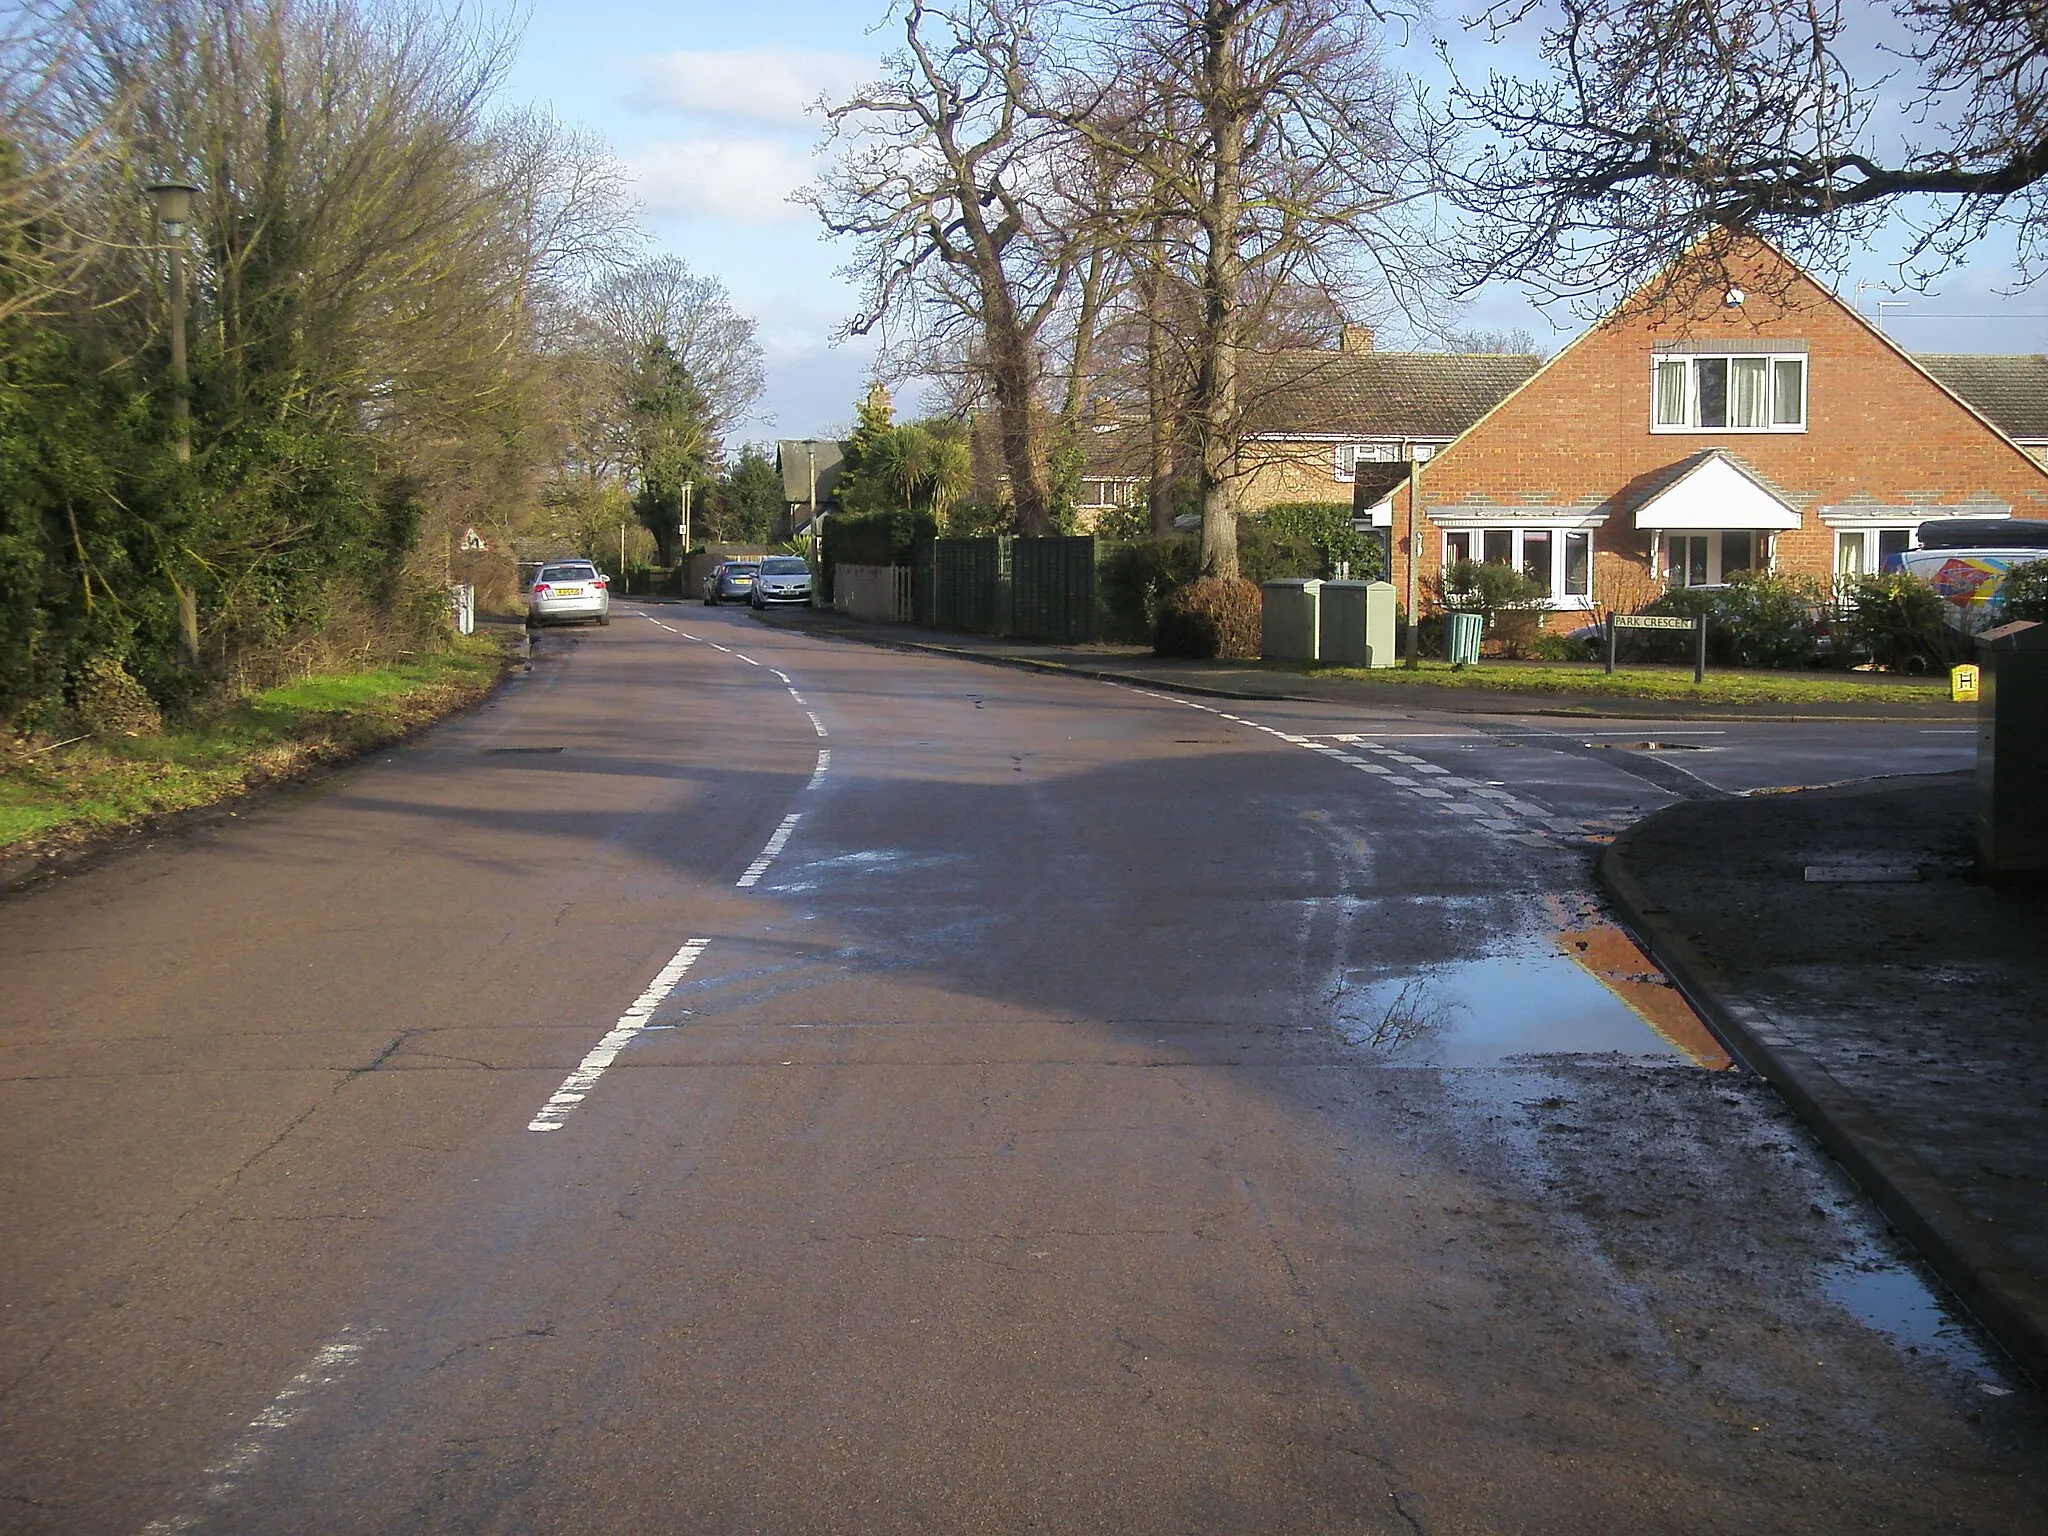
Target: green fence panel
x: 924, y: 583
x: 1034, y: 589
x: 971, y: 585
x: 1053, y: 590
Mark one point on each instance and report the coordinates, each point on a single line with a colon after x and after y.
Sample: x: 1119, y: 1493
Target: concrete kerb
x: 1986, y: 1278
x: 1398, y: 697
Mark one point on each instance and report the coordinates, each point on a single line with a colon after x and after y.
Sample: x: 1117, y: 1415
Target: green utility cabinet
x: 2012, y: 753
x: 1290, y: 620
x: 1356, y: 624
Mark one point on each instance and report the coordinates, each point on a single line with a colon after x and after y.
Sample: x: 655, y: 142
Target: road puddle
x: 1613, y: 959
x: 1889, y: 1298
x: 1586, y: 989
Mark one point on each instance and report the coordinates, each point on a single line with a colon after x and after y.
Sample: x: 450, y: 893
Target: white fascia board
x: 1342, y: 437
x: 1863, y: 515
x: 1716, y: 494
x: 1456, y: 516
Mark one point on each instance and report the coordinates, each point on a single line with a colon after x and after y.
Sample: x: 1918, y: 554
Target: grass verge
x: 1671, y: 683
x: 57, y: 798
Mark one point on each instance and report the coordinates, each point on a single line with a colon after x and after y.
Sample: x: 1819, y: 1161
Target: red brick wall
x: 1877, y: 427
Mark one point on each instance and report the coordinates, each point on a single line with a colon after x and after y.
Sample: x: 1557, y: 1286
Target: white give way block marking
x: 577, y: 1085
x: 759, y: 867
x: 225, y: 1477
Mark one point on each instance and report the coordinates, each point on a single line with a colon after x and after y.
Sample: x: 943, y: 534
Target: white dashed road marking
x: 824, y: 762
x: 577, y: 1085
x: 816, y: 723
x: 1432, y: 782
x: 225, y: 1476
x: 759, y: 867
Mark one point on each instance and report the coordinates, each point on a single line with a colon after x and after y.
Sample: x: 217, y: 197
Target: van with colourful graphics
x: 1966, y: 560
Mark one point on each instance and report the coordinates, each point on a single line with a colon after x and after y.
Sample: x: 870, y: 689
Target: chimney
x: 1356, y: 338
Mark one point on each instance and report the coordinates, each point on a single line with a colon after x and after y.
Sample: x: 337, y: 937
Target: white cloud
x: 756, y: 85
x: 736, y: 180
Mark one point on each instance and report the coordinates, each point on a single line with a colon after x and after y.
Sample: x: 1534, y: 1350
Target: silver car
x: 731, y: 581
x: 783, y: 579
x: 564, y: 591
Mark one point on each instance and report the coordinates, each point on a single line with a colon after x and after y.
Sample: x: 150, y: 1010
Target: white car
x: 565, y: 591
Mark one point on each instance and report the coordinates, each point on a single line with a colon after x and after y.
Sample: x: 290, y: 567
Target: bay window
x: 1558, y: 560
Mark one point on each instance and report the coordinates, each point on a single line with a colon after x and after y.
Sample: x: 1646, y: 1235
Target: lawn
x: 61, y: 795
x: 1673, y: 683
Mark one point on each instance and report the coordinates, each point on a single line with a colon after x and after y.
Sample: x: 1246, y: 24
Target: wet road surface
x: 740, y: 1081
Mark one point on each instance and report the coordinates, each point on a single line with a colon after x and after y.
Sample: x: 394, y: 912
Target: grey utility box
x: 1289, y: 620
x: 2012, y: 753
x: 1357, y: 628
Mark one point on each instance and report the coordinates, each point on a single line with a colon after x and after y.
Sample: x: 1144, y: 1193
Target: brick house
x: 1761, y: 425
x: 1314, y: 415
x: 2010, y: 389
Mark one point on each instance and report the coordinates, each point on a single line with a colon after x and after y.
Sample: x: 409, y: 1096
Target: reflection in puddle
x: 1476, y: 1013
x: 1890, y: 1299
x: 1589, y: 989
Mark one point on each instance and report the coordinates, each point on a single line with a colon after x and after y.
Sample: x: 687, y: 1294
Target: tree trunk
x: 1158, y: 405
x: 1215, y: 414
x: 1014, y: 373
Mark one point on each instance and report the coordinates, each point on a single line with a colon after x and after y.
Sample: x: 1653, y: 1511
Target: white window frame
x: 1560, y: 536
x: 1381, y: 451
x: 1869, y: 537
x: 1763, y: 554
x: 1770, y: 360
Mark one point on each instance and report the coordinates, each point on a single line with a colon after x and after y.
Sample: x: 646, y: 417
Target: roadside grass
x: 64, y: 794
x: 1650, y: 682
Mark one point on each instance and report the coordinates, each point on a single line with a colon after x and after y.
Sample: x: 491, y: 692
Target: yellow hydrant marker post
x: 1962, y: 684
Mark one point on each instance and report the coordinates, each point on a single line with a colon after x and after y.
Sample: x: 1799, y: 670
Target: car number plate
x: 568, y: 591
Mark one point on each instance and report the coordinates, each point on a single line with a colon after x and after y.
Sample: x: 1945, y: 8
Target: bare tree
x: 694, y: 319
x: 941, y: 180
x: 1295, y: 171
x: 1666, y: 125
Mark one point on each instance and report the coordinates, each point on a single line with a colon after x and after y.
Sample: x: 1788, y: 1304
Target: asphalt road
x: 741, y: 1081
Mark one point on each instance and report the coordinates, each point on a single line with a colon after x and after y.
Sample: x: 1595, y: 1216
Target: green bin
x: 1461, y: 638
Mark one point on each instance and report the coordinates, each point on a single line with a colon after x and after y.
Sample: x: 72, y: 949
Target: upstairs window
x: 1732, y: 393
x: 1351, y: 455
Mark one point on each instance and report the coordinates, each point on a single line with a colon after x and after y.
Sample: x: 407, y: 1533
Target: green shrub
x: 1548, y: 647
x: 1759, y: 619
x: 1510, y: 604
x: 1305, y: 538
x: 1901, y: 623
x: 1766, y: 620
x: 1133, y: 579
x: 2026, y: 592
x: 1210, y: 618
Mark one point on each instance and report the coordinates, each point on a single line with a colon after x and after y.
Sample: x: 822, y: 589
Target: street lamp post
x: 1411, y: 652
x: 173, y: 211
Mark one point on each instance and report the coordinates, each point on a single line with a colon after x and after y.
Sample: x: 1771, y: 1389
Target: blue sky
x: 704, y: 103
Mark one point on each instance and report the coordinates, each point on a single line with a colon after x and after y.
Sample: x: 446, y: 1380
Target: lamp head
x: 173, y: 205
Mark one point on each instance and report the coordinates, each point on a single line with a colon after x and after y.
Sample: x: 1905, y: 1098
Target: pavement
x: 1251, y: 680
x: 1903, y: 1019
x: 734, y: 1080
x: 1895, y: 999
